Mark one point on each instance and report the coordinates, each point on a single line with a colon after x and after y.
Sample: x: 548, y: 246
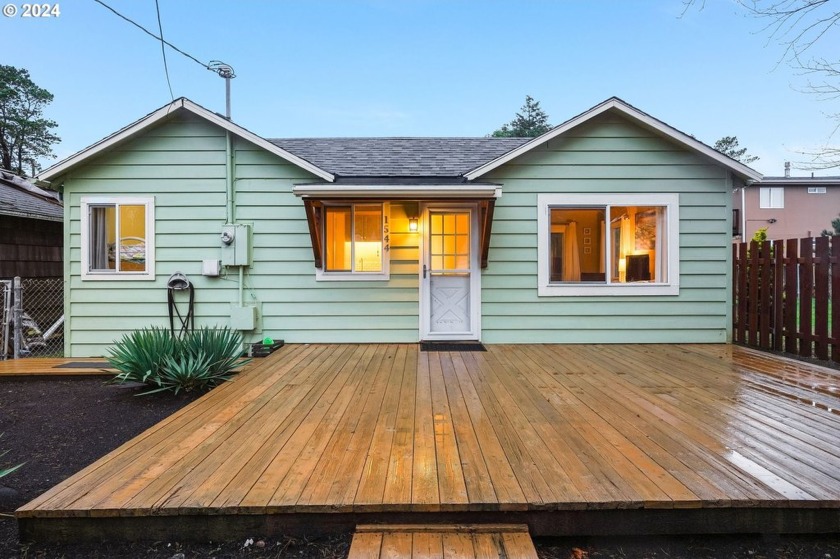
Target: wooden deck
x: 567, y: 439
x: 54, y: 366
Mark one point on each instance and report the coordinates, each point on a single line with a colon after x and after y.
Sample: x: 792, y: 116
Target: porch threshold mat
x: 452, y: 346
x: 83, y: 365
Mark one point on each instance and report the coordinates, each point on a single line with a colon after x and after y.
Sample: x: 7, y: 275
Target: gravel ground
x: 59, y: 425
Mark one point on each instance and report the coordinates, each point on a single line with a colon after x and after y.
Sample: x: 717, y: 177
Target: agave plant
x: 186, y: 372
x: 222, y: 346
x: 139, y: 356
x: 200, y: 360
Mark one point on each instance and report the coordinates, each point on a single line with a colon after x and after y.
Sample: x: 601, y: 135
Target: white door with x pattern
x: 449, y: 274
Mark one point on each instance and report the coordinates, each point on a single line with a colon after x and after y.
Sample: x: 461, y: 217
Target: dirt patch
x: 60, y: 425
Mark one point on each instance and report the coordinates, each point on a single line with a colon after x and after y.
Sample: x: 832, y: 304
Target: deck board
x: 54, y: 366
x: 382, y: 429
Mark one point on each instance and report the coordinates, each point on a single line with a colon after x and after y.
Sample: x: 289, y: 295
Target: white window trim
x: 385, y: 274
x: 149, y: 202
x: 780, y: 203
x: 545, y: 202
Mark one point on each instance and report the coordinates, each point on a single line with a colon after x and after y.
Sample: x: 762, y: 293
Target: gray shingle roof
x: 398, y: 157
x: 23, y: 199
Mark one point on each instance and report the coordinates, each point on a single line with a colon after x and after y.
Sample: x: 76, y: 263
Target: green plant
x: 186, y: 372
x: 7, y: 471
x: 760, y: 235
x: 199, y: 360
x: 139, y: 356
x: 222, y: 346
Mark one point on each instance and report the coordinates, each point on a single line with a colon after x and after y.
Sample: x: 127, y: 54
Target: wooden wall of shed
x: 30, y: 248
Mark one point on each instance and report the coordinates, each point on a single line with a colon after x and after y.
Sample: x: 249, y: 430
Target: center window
x: 606, y: 245
x: 354, y: 239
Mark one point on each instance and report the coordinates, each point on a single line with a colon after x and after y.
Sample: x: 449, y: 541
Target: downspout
x: 744, y: 213
x: 230, y: 159
x: 229, y: 177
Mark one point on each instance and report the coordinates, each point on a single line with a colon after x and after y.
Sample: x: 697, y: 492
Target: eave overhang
x: 463, y: 191
x: 314, y: 196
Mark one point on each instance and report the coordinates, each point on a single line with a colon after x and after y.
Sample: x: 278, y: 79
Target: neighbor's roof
x: 20, y: 198
x: 398, y: 157
x: 180, y: 104
x: 802, y: 181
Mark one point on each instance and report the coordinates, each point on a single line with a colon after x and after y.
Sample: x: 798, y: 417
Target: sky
x: 339, y: 68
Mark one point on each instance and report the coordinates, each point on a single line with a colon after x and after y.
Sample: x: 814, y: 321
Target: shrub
x: 199, y: 360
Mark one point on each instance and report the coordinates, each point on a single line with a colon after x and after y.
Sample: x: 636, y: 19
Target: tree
x: 798, y: 25
x: 529, y: 123
x: 835, y: 224
x: 25, y: 135
x: 728, y: 145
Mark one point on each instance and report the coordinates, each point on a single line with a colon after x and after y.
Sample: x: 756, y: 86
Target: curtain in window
x: 571, y: 254
x: 99, y: 239
x: 661, y: 247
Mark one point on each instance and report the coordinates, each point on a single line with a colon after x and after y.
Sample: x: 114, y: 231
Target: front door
x: 449, y: 274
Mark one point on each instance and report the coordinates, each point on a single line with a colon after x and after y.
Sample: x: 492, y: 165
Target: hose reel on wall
x: 179, y: 282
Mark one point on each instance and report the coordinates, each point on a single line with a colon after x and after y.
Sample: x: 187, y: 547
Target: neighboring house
x: 611, y: 227
x: 789, y: 207
x: 31, y: 237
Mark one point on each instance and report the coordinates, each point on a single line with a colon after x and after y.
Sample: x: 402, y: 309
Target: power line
x: 163, y: 42
x: 163, y: 51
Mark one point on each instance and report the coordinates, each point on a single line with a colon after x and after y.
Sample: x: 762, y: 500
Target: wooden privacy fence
x: 782, y: 293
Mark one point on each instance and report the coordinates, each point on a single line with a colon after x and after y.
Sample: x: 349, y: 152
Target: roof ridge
x: 493, y: 138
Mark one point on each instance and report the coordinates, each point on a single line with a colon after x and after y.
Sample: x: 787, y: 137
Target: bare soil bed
x: 58, y: 425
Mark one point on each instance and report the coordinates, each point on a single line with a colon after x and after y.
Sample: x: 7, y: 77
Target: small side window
x: 117, y: 238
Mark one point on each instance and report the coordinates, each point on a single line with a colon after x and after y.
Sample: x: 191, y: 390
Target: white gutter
x: 743, y: 214
x: 411, y: 191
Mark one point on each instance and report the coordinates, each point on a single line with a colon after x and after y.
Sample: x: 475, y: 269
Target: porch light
x: 412, y: 224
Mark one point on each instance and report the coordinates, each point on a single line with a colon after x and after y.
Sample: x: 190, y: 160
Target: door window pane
x: 449, y: 237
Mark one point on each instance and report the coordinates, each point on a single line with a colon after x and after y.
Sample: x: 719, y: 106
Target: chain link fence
x: 33, y: 317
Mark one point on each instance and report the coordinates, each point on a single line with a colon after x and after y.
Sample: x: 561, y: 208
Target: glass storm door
x: 449, y: 278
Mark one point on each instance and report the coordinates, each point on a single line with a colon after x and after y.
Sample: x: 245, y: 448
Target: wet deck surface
x: 377, y: 428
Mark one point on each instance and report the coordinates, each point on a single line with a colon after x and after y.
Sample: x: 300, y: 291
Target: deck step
x: 421, y: 541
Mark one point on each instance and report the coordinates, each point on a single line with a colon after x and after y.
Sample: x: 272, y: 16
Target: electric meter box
x: 236, y: 245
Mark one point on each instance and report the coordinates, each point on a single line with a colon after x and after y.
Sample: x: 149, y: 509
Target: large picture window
x: 355, y: 241
x: 117, y: 238
x: 621, y: 244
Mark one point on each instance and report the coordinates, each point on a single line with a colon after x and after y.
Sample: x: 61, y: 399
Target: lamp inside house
x: 412, y: 224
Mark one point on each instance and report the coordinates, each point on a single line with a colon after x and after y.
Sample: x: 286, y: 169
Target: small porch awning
x: 314, y: 196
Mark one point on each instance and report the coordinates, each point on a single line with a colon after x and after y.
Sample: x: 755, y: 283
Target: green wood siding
x: 182, y: 164
x: 610, y: 155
